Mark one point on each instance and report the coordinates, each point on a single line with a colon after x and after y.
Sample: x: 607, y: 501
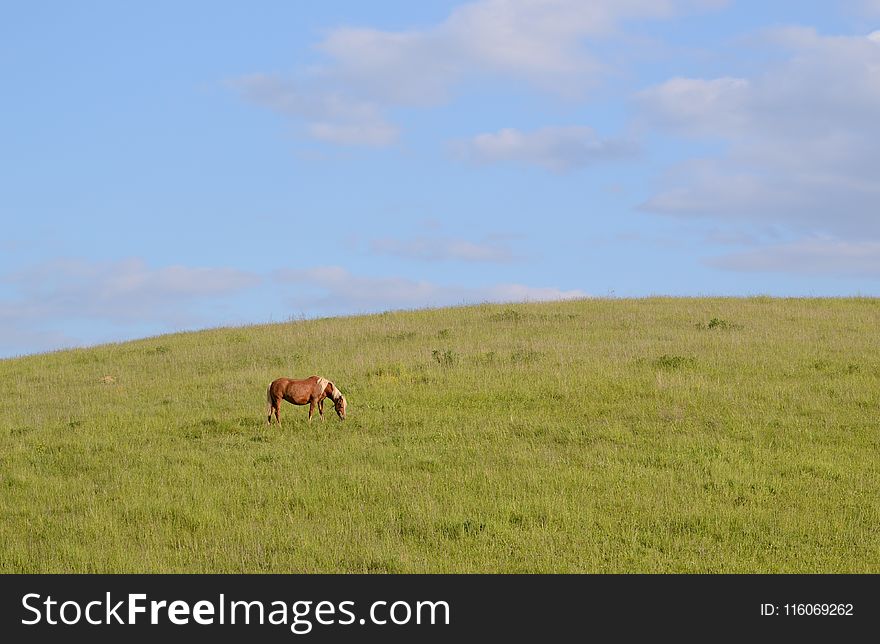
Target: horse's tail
x: 269, y: 394
x: 269, y: 401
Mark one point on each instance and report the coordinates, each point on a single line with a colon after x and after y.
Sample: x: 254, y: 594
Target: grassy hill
x: 651, y: 435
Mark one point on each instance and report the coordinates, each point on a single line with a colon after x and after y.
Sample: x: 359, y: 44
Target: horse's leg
x: 321, y: 409
x: 311, y: 409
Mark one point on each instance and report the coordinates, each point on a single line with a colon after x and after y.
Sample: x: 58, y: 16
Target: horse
x: 311, y: 391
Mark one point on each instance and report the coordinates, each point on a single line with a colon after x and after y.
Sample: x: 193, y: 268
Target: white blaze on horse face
x: 340, y: 406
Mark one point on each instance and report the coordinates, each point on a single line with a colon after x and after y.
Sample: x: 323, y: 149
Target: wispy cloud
x: 443, y: 248
x: 545, y: 44
x: 68, y: 302
x: 555, y: 148
x: 330, y: 116
x: 698, y: 106
x: 868, y: 7
x: 812, y: 256
x: 19, y: 334
x: 801, y: 138
x: 49, y: 297
x: 334, y: 289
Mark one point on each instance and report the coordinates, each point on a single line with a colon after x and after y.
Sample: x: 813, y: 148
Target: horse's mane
x: 335, y: 394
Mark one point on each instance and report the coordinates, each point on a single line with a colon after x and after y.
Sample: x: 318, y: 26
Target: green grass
x: 651, y: 435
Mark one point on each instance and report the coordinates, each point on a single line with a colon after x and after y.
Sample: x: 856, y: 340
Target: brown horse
x: 311, y: 391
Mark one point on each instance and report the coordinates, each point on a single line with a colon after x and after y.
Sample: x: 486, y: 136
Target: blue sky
x: 171, y: 166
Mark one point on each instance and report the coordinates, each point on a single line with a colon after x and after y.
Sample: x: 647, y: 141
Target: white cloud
x: 330, y: 116
x: 391, y: 68
x: 539, y: 41
x: 802, y: 138
x: 544, y: 43
x: 817, y: 256
x: 19, y: 336
x: 555, y: 148
x: 442, y: 248
x: 334, y: 289
x: 699, y: 107
x: 869, y: 7
x: 123, y: 291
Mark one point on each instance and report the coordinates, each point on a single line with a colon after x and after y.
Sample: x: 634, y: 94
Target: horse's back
x: 277, y: 386
x: 294, y: 391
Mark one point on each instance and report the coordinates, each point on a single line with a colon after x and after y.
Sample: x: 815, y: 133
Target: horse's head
x: 339, y: 406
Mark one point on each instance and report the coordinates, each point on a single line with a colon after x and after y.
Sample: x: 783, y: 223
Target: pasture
x: 648, y: 435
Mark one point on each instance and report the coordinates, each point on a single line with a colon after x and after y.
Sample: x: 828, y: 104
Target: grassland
x: 651, y: 435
